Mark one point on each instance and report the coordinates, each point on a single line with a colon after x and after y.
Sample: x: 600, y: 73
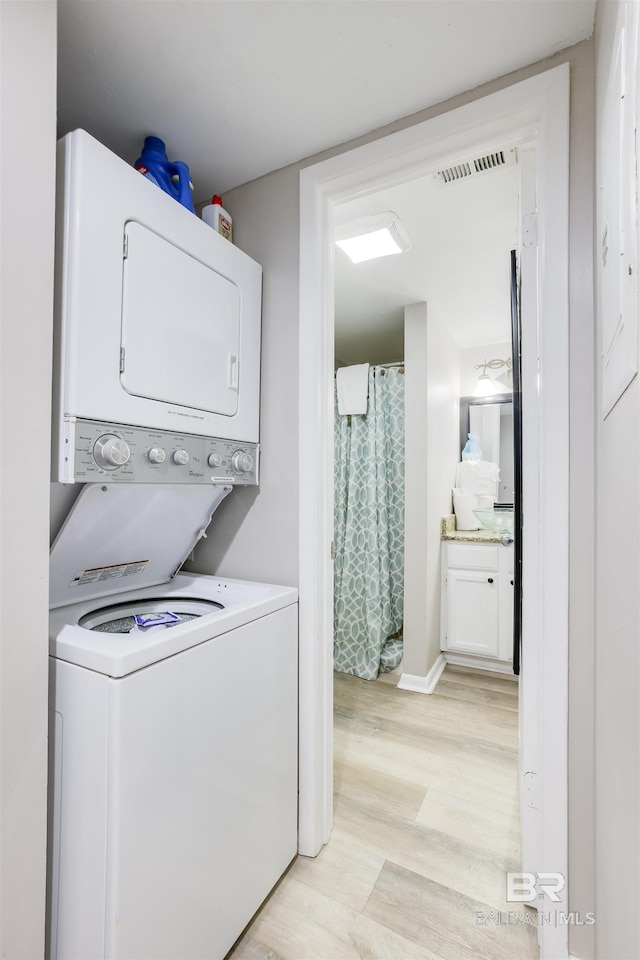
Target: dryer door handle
x: 232, y: 371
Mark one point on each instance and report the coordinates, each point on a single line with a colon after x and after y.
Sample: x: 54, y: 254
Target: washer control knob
x: 241, y: 462
x: 181, y: 457
x: 215, y: 460
x: 111, y: 451
x: 157, y: 455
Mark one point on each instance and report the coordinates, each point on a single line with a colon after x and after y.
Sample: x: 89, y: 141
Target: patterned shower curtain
x: 369, y: 526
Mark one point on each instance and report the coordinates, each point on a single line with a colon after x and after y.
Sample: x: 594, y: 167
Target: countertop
x: 449, y: 532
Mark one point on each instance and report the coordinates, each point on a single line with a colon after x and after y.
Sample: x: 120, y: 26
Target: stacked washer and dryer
x: 173, y: 782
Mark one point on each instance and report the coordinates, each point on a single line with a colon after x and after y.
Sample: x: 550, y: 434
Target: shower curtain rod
x: 383, y: 366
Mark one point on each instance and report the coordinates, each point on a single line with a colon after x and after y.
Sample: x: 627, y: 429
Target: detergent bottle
x: 217, y: 217
x: 171, y: 176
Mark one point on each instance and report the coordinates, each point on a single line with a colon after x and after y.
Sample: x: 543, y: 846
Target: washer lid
x: 121, y: 537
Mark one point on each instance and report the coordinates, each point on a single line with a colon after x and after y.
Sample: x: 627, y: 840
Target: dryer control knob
x: 157, y: 455
x: 181, y: 457
x: 215, y: 460
x: 111, y: 451
x: 241, y: 462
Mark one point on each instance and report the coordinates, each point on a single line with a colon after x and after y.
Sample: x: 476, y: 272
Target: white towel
x: 479, y: 477
x: 353, y: 388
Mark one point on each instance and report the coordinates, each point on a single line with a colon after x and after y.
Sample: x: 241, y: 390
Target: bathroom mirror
x: 491, y: 419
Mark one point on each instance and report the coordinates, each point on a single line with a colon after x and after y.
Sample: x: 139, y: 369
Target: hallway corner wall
x: 432, y: 392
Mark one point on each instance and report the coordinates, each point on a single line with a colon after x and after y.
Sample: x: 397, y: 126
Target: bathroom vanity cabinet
x: 476, y: 619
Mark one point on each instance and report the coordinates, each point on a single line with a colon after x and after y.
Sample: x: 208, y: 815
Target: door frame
x: 534, y: 112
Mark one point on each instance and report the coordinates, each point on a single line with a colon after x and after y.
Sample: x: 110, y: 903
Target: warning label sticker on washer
x: 113, y: 572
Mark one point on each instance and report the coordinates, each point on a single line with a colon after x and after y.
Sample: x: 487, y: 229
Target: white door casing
x: 533, y: 112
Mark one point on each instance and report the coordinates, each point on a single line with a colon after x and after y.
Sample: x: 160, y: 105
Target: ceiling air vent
x: 476, y: 166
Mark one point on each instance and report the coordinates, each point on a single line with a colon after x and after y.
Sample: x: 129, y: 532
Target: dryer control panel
x: 96, y: 452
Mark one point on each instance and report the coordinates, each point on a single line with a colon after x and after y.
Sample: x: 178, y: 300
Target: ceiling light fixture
x: 486, y: 387
x: 371, y: 237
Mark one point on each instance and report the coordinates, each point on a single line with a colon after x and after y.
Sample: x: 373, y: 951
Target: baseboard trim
x: 480, y: 663
x: 416, y: 684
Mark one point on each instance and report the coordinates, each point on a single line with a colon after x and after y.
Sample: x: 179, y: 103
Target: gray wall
x: 617, y: 654
x: 266, y: 218
x: 27, y: 164
x: 254, y: 534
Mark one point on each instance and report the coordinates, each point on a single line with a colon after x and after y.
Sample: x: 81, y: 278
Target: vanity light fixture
x: 370, y: 237
x: 486, y: 386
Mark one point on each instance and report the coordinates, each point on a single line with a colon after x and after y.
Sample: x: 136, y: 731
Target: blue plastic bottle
x: 171, y: 176
x: 471, y: 449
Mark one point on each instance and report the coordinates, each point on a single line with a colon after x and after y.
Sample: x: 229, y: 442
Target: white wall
x: 417, y: 647
x: 617, y: 654
x: 432, y: 411
x: 27, y: 161
x: 470, y: 356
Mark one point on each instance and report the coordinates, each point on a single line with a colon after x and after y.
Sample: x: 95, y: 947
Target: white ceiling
x: 238, y: 88
x: 461, y: 237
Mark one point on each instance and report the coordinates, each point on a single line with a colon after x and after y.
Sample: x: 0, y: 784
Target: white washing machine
x: 173, y: 735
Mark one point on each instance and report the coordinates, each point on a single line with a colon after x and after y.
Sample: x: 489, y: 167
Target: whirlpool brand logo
x: 181, y: 413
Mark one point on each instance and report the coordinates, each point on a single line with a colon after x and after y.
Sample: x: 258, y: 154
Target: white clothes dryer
x: 173, y: 734
x: 157, y: 325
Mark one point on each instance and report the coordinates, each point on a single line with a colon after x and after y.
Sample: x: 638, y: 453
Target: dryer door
x: 180, y: 326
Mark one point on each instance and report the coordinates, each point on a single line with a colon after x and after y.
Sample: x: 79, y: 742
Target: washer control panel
x: 112, y: 452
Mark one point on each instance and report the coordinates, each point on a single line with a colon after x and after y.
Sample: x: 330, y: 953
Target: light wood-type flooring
x: 426, y: 827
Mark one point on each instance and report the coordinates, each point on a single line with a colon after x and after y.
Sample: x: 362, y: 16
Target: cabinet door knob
x: 511, y: 582
x: 490, y: 580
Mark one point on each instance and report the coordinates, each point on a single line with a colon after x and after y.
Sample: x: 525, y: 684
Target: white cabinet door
x: 472, y: 612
